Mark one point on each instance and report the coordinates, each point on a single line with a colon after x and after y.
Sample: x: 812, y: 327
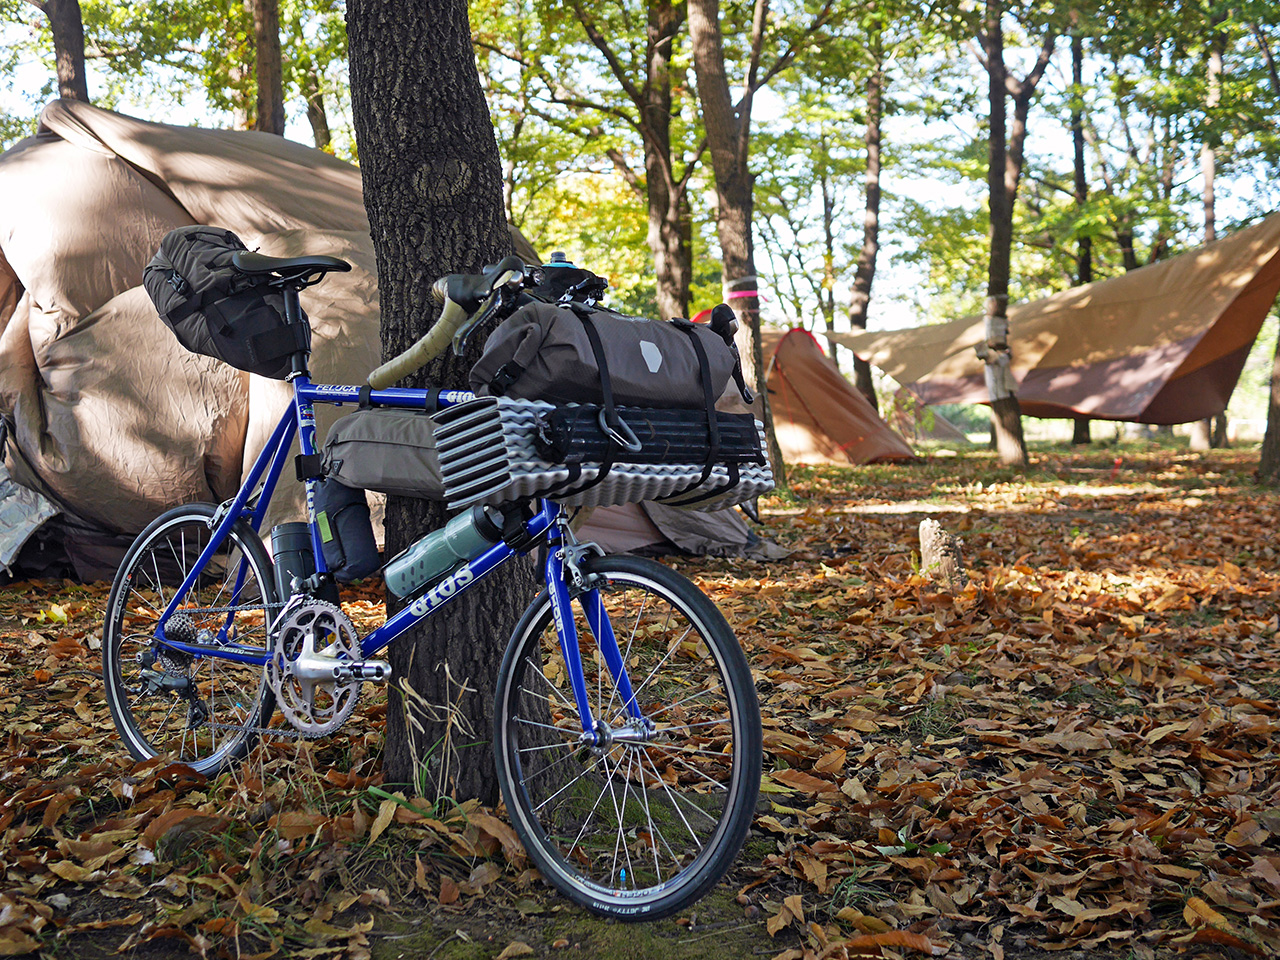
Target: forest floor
x: 1074, y: 755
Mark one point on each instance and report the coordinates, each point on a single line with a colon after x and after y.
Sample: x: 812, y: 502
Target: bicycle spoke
x: 674, y: 805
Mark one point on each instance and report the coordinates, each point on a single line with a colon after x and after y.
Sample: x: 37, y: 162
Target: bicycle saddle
x: 246, y: 261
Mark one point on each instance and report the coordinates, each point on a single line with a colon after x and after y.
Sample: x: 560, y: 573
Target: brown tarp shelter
x: 818, y: 416
x: 1161, y: 344
x: 110, y: 418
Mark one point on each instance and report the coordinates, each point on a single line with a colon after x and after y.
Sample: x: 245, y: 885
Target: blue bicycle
x: 626, y: 733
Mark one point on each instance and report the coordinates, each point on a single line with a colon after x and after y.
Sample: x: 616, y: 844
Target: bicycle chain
x: 235, y: 609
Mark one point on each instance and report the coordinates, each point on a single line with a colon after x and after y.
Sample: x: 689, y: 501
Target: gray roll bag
x: 543, y: 352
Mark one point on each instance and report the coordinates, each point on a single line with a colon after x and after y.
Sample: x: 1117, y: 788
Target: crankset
x: 316, y: 668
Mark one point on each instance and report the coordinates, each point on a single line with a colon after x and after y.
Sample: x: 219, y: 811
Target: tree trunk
x: 665, y: 194
x: 270, y: 66
x: 1084, y: 243
x: 433, y: 190
x: 729, y: 140
x: 1269, y: 461
x: 1201, y: 435
x: 316, y: 114
x: 865, y: 272
x: 67, y: 26
x: 1208, y: 168
x: 667, y: 199
x: 827, y: 293
x: 1006, y: 414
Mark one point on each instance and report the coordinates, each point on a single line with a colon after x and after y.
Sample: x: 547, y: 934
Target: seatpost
x: 293, y: 314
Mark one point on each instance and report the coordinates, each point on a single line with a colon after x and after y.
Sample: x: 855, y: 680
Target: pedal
x: 369, y: 671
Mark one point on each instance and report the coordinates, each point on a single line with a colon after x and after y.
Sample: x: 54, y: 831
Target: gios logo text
x: 442, y: 591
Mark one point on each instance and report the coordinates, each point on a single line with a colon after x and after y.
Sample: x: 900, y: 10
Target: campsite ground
x: 1075, y: 755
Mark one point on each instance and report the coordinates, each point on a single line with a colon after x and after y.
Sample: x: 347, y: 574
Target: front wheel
x: 204, y: 711
x: 645, y: 817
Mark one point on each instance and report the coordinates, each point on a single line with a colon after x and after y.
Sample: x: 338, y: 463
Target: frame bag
x: 346, y: 531
x: 215, y: 310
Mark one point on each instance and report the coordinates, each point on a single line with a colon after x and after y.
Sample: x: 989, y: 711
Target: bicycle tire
x: 211, y: 721
x: 663, y: 622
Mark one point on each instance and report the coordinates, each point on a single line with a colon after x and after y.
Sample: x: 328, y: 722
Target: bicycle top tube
x: 433, y: 398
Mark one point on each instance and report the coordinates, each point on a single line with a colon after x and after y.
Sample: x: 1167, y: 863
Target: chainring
x: 311, y: 636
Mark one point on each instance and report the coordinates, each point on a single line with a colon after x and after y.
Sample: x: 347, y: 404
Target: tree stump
x: 940, y: 558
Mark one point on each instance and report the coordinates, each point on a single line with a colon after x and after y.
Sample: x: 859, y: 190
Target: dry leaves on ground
x: 1077, y: 750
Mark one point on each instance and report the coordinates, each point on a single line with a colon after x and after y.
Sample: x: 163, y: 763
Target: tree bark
x: 865, y: 272
x: 1269, y: 460
x: 668, y: 203
x: 729, y: 140
x: 433, y: 191
x: 1006, y: 414
x: 1084, y: 242
x: 67, y: 26
x: 269, y: 66
x: 316, y: 113
x: 1209, y: 430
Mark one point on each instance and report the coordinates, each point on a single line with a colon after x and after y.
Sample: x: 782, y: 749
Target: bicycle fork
x: 598, y: 732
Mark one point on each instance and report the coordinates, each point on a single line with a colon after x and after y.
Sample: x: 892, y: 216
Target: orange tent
x: 817, y: 414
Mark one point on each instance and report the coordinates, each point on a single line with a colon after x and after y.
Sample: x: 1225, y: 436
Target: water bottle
x: 463, y: 538
x: 558, y: 259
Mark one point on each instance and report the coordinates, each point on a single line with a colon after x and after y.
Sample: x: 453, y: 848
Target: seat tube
x: 562, y: 609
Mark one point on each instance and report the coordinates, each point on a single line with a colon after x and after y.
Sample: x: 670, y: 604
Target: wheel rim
x: 637, y: 819
x: 210, y: 717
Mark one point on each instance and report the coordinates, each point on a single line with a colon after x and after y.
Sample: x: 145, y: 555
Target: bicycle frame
x: 299, y: 420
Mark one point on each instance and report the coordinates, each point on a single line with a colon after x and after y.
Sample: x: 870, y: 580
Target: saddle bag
x: 215, y: 310
x: 388, y: 450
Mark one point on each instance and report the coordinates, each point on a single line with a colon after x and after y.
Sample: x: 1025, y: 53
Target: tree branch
x: 615, y: 65
x: 1266, y: 56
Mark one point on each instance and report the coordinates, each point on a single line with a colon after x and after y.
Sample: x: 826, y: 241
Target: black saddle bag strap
x: 611, y: 421
x: 713, y: 425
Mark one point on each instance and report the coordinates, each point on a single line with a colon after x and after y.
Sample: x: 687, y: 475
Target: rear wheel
x: 646, y: 817
x: 202, y: 711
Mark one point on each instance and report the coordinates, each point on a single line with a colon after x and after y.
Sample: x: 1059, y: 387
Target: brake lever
x: 513, y: 279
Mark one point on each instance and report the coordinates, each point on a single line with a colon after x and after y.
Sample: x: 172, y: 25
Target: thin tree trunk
x: 1269, y: 460
x: 827, y: 292
x: 1006, y: 413
x: 433, y: 190
x: 865, y: 272
x: 67, y: 26
x: 270, y: 66
x: 667, y: 203
x: 1202, y: 433
x: 665, y: 194
x: 729, y: 140
x: 316, y: 113
x: 1084, y: 242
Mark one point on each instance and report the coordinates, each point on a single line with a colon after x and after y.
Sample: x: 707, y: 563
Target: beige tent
x: 110, y: 418
x: 1162, y: 344
x: 651, y: 528
x: 818, y: 416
